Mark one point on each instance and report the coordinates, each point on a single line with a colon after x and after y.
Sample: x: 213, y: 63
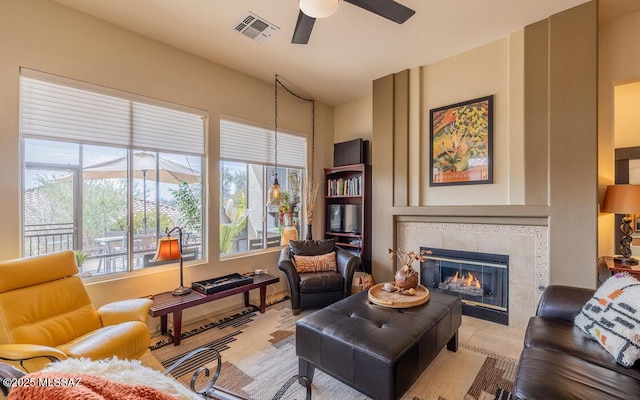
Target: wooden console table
x: 165, y: 303
x: 615, y: 268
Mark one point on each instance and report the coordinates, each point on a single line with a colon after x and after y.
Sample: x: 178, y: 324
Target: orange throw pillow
x: 321, y: 263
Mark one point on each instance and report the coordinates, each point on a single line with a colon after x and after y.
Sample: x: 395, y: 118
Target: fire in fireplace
x: 468, y: 284
x: 479, y: 279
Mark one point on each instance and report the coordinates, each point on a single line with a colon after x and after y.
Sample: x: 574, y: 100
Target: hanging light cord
x: 313, y: 122
x: 275, y: 85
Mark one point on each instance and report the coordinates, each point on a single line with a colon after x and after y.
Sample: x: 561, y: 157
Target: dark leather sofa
x: 317, y: 289
x: 560, y: 362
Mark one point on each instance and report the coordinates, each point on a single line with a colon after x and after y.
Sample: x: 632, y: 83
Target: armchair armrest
x: 347, y: 265
x: 286, y: 265
x: 30, y: 357
x: 563, y: 302
x: 125, y: 310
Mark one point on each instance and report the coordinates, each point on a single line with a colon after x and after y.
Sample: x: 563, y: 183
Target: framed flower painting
x: 461, y: 137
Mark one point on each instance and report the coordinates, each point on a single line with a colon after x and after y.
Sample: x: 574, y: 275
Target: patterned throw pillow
x: 321, y: 263
x: 611, y: 318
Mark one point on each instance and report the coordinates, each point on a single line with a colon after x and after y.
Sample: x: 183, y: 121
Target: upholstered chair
x: 46, y: 315
x: 319, y: 272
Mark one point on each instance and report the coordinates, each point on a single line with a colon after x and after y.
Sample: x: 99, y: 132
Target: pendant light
x: 274, y: 190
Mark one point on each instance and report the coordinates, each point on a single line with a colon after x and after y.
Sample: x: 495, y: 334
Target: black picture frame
x: 461, y: 143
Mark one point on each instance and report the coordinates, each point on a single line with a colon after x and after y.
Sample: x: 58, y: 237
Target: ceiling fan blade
x: 389, y: 9
x: 304, y: 25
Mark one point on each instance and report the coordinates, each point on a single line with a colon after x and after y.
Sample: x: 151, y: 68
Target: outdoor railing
x: 47, y: 238
x: 103, y: 255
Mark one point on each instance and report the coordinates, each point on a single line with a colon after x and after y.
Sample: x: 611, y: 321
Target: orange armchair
x: 46, y: 314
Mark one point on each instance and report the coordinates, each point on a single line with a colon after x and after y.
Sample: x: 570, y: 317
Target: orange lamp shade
x: 621, y: 199
x: 168, y: 249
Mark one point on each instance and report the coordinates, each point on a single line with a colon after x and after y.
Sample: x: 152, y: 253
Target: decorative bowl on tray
x: 398, y: 298
x: 391, y: 288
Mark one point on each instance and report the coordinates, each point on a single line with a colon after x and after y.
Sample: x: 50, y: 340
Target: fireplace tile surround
x: 526, y: 245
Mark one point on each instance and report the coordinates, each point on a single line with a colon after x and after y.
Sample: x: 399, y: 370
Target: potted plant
x: 288, y: 209
x: 81, y: 257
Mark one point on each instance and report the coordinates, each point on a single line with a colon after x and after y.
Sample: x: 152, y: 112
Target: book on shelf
x: 345, y: 187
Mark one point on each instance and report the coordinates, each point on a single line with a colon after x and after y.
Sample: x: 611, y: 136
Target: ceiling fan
x: 310, y: 10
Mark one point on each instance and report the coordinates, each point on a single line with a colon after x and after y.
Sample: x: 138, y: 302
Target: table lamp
x: 170, y: 248
x: 623, y: 199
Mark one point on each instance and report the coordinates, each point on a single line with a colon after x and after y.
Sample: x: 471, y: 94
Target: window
x: 247, y: 167
x: 105, y: 173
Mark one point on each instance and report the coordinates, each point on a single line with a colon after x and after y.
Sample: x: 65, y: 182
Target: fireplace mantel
x: 498, y: 211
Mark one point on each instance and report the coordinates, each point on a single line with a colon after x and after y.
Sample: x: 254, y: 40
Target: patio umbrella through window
x: 146, y: 166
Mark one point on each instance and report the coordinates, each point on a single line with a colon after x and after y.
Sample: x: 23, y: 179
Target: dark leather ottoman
x: 376, y: 350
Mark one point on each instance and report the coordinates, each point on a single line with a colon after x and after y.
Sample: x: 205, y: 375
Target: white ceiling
x: 346, y: 51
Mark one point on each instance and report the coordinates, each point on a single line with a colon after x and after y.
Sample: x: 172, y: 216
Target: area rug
x: 258, y: 353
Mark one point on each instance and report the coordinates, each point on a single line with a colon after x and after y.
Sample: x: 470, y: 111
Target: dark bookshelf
x: 347, y: 189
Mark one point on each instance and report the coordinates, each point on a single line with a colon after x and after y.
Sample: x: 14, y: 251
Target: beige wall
x: 401, y: 127
x: 572, y: 128
x: 477, y: 73
x: 618, y: 63
x: 544, y: 82
x: 46, y: 36
x: 354, y: 120
x: 382, y: 226
x: 492, y: 69
x: 627, y: 118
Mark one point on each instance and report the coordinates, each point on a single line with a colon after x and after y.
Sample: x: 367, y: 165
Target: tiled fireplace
x: 526, y: 247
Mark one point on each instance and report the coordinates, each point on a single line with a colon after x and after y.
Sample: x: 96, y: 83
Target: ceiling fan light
x: 319, y: 8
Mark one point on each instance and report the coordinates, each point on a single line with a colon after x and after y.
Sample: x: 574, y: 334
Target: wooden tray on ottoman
x: 396, y: 300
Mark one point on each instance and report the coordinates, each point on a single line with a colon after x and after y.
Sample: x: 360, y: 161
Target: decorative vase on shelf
x: 406, y: 278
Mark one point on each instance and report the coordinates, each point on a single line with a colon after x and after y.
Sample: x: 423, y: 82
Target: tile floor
x: 500, y: 339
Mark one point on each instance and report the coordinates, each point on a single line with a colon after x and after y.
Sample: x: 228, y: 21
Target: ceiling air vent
x: 255, y: 28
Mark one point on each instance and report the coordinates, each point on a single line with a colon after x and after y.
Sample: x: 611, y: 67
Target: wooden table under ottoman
x: 376, y: 350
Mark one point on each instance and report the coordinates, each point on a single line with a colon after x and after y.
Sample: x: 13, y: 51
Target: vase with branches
x: 311, y: 188
x: 406, y: 277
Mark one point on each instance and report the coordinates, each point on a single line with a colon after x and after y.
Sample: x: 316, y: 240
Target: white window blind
x: 48, y: 110
x: 51, y: 110
x: 162, y: 129
x: 251, y: 144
